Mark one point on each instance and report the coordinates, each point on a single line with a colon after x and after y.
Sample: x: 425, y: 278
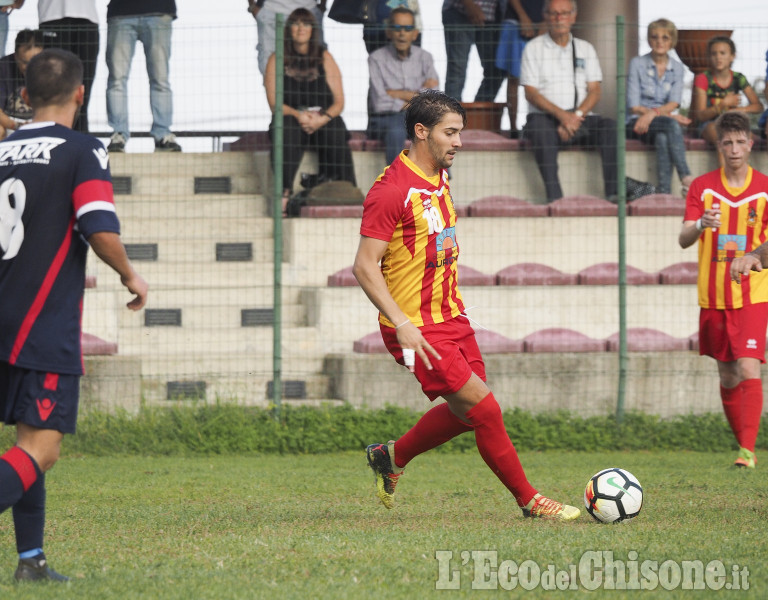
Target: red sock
x: 436, y: 426
x: 731, y: 398
x: 18, y: 472
x: 751, y: 410
x: 497, y: 450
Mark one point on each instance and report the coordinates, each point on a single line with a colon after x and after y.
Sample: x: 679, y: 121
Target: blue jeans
x: 460, y: 36
x: 390, y: 129
x: 667, y: 137
x: 154, y: 33
x: 3, y: 31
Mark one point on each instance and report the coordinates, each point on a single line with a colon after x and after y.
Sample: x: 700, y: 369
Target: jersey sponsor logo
x: 102, y: 156
x: 45, y: 408
x: 31, y: 150
x: 446, y: 239
x: 731, y: 243
x: 13, y: 199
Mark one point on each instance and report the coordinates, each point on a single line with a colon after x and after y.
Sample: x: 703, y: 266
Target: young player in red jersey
x: 55, y: 201
x: 409, y: 225
x: 727, y: 213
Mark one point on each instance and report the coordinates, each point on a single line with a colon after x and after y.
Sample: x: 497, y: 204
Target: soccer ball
x: 613, y: 495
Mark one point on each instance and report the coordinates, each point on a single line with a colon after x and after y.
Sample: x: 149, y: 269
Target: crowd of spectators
x: 525, y: 42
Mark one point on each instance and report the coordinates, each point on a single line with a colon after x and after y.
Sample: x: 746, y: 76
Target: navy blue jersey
x: 55, y: 192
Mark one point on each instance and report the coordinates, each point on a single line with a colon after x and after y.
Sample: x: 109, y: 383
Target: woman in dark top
x: 313, y: 99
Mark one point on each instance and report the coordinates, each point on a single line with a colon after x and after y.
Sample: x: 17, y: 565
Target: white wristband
x: 699, y: 226
x: 403, y: 323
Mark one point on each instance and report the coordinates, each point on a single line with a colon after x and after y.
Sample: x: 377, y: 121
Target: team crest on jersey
x: 752, y: 217
x: 31, y: 150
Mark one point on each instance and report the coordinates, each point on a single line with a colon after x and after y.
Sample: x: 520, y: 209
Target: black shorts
x: 39, y: 399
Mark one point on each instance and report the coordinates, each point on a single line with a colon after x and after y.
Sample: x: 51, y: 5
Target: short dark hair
x: 733, y: 121
x: 52, y: 76
x: 721, y: 39
x: 428, y: 107
x: 28, y: 38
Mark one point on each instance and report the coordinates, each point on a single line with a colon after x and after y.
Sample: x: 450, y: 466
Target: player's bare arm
x: 751, y: 261
x: 691, y: 230
x: 110, y: 249
x: 368, y: 274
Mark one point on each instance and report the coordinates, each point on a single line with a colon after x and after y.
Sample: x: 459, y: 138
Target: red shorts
x: 727, y: 335
x: 455, y: 342
x: 40, y: 399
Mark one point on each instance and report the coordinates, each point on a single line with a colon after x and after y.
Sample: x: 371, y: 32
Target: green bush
x: 231, y: 429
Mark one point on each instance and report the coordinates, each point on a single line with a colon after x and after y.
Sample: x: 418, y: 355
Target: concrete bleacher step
x: 214, y: 227
x: 185, y: 207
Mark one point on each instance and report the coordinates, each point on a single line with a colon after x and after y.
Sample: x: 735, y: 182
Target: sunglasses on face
x: 402, y: 27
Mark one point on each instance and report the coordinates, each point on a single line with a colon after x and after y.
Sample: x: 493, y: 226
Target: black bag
x: 328, y: 193
x: 354, y: 11
x: 637, y: 189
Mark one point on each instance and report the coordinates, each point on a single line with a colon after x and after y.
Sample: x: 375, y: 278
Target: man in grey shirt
x: 397, y: 72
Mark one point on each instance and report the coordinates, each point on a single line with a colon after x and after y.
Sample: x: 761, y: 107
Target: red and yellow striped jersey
x: 415, y: 215
x: 743, y: 227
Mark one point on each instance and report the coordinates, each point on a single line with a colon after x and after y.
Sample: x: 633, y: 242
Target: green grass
x: 308, y: 526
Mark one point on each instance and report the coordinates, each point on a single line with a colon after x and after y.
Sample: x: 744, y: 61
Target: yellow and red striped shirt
x: 743, y: 227
x: 415, y: 215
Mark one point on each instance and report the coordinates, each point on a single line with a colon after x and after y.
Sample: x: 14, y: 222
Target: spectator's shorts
x: 727, y: 335
x: 455, y: 342
x: 40, y: 399
x: 509, y: 52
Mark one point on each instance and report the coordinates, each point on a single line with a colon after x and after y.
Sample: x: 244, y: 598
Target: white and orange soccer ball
x: 613, y: 495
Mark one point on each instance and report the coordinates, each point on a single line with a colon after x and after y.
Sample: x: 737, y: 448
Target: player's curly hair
x: 428, y: 107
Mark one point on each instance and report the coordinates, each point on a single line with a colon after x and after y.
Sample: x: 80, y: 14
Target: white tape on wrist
x: 409, y: 357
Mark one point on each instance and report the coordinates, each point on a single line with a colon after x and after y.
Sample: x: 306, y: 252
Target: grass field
x: 309, y: 526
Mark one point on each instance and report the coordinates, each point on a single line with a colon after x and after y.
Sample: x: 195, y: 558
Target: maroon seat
x: 534, y: 274
x: 642, y: 339
x: 608, y: 274
x: 491, y: 342
x: 582, y: 206
x: 250, y: 142
x: 470, y: 276
x: 657, y: 205
x: 562, y: 340
x: 679, y: 274
x: 95, y: 346
x: 479, y: 139
x: 370, y: 344
x: 343, y: 278
x: 90, y: 281
x: 506, y: 206
x: 357, y: 140
x: 354, y: 211
x: 697, y: 144
x: 636, y: 145
x: 693, y: 341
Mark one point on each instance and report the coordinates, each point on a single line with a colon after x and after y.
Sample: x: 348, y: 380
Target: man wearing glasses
x: 398, y: 71
x: 561, y: 76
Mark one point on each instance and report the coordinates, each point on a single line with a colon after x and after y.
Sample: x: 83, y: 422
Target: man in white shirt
x: 561, y: 76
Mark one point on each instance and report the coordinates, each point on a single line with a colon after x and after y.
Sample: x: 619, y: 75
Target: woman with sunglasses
x: 313, y: 99
x: 654, y: 92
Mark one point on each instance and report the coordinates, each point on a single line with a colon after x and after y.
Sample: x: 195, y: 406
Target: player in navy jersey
x: 55, y: 201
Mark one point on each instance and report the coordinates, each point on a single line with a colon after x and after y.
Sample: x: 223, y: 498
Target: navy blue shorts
x: 39, y: 399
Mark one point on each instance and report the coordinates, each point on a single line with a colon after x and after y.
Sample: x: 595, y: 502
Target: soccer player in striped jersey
x: 55, y: 201
x: 409, y: 226
x: 727, y: 213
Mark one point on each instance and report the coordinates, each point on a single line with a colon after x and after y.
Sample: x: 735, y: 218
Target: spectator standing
x: 73, y: 25
x: 5, y: 12
x: 561, y: 76
x: 265, y: 11
x: 376, y: 36
x: 313, y: 100
x: 407, y: 264
x: 149, y: 22
x: 654, y: 93
x: 468, y: 23
x: 14, y: 111
x: 763, y: 121
x: 63, y: 190
x: 719, y: 89
x: 397, y: 72
x: 726, y: 212
x: 523, y: 21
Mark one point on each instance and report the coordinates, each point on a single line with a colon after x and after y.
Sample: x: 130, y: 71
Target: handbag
x: 637, y: 189
x: 354, y: 11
